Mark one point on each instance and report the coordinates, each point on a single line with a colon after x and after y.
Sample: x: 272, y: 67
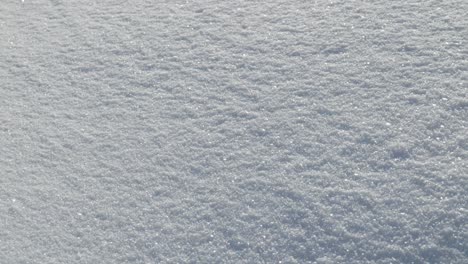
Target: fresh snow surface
x: 233, y: 131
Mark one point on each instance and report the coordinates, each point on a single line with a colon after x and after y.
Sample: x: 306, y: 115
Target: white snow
x: 233, y: 131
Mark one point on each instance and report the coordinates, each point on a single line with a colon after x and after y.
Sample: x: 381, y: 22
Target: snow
x: 233, y: 131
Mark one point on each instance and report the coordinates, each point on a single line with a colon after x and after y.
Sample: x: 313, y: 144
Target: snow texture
x: 233, y: 131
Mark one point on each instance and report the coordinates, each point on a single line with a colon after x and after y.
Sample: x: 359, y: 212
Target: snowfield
x: 233, y: 131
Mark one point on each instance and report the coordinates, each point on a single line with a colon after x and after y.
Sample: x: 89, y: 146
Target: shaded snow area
x: 233, y: 131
